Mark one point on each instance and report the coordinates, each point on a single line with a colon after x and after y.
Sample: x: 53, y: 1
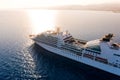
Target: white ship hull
x: 87, y: 61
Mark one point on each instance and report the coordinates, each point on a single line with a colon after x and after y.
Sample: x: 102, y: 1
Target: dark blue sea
x: 22, y: 59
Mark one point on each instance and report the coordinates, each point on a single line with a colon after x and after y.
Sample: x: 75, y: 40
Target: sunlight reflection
x: 41, y: 20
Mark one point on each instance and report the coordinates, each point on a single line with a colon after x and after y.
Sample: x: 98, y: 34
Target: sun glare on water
x: 41, y: 20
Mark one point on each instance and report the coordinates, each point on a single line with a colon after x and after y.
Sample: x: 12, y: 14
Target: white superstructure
x: 101, y: 53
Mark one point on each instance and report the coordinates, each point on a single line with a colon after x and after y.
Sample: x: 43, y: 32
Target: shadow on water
x: 53, y: 67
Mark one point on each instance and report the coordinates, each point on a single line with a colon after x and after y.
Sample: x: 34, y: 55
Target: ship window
x: 117, y: 55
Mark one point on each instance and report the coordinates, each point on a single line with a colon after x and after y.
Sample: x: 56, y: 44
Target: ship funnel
x: 107, y: 37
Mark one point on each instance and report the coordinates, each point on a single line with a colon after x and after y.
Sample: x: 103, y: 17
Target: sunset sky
x: 39, y: 3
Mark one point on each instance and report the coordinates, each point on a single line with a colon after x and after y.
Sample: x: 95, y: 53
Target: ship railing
x: 71, y: 47
x: 81, y: 41
x: 54, y: 44
x: 77, y: 52
x: 91, y: 50
x: 90, y: 54
x: 94, y: 55
x: 115, y: 65
x: 47, y: 39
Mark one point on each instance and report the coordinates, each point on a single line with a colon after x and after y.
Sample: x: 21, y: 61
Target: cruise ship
x: 103, y: 53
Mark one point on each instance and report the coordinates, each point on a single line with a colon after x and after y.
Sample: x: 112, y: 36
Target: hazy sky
x: 36, y: 3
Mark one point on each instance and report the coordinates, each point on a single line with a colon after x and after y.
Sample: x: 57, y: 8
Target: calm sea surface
x: 21, y: 59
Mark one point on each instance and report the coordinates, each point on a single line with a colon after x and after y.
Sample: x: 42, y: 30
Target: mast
x: 58, y: 29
